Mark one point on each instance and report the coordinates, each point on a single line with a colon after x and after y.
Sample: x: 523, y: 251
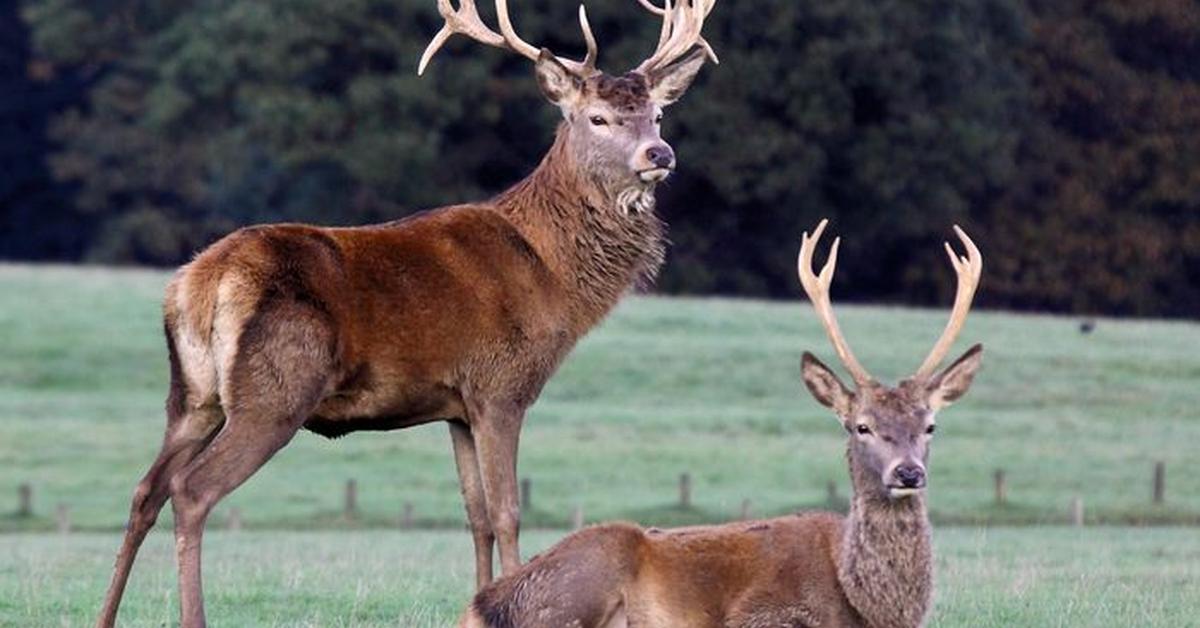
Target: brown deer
x: 460, y: 314
x: 873, y: 567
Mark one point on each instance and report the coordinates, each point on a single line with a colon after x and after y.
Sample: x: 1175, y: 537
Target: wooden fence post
x: 526, y: 494
x: 831, y: 496
x: 351, y: 507
x: 235, y: 519
x: 577, y: 517
x: 406, y: 516
x: 24, y: 500
x: 1160, y: 481
x: 1001, y: 486
x: 1077, y: 511
x: 63, y: 514
x: 745, y: 509
x: 685, y: 490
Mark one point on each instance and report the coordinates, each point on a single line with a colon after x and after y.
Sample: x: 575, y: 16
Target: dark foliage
x: 1065, y: 134
x: 37, y: 220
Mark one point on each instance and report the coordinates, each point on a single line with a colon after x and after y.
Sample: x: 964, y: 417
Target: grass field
x: 706, y: 386
x: 993, y: 577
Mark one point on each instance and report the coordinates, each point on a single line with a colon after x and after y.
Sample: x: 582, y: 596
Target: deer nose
x: 661, y: 156
x: 910, y: 476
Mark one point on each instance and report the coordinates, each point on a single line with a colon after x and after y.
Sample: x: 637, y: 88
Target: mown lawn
x: 1031, y: 576
x: 706, y: 386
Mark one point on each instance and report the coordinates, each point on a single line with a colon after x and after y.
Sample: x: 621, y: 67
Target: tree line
x: 1064, y: 134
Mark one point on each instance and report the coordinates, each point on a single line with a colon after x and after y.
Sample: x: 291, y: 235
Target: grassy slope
x: 665, y: 386
x: 997, y: 577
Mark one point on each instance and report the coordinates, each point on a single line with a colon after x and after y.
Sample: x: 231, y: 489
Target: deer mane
x: 600, y: 241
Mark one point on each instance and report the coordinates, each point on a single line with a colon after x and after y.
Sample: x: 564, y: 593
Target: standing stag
x: 873, y: 567
x: 460, y: 314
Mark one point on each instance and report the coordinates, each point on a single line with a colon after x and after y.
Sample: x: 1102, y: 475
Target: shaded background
x: 1065, y: 134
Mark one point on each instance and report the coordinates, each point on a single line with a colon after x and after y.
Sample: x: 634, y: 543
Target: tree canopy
x: 1064, y: 134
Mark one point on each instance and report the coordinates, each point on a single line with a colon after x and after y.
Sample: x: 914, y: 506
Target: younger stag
x: 872, y: 568
x: 460, y: 314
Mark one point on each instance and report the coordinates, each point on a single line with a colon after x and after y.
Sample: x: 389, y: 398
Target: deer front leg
x: 467, y: 461
x: 496, y: 433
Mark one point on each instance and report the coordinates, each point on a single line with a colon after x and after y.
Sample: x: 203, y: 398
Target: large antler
x: 968, y: 268
x: 682, y: 23
x: 817, y: 288
x: 466, y: 21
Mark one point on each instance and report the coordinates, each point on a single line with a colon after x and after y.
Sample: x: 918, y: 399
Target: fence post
x: 24, y: 500
x: 577, y: 517
x: 63, y: 514
x: 1077, y: 511
x: 1160, y: 481
x: 526, y: 494
x: 745, y: 509
x: 351, y: 508
x: 406, y: 516
x: 685, y: 490
x: 831, y: 496
x: 235, y: 519
x: 1001, y: 487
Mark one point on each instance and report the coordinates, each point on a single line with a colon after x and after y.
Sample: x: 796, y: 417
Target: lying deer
x: 459, y: 314
x: 873, y: 567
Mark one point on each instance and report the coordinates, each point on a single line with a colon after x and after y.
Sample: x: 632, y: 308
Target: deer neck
x: 599, y: 239
x: 886, y: 560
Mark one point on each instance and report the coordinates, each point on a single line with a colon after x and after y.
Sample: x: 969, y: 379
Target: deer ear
x: 825, y: 386
x: 668, y: 84
x: 559, y: 85
x: 952, y: 383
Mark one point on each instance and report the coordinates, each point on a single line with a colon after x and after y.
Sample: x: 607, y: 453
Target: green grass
x: 707, y: 386
x: 992, y: 577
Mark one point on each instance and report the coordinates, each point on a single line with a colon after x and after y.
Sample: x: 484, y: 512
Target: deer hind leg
x: 193, y: 418
x: 184, y: 439
x: 467, y: 461
x: 496, y: 432
x: 280, y: 372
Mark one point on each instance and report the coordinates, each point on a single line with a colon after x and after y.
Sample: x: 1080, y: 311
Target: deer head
x: 889, y: 427
x: 612, y: 121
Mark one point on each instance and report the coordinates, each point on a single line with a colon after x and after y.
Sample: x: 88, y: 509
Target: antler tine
x: 968, y: 268
x: 514, y: 40
x: 653, y: 9
x: 667, y: 14
x: 582, y: 68
x: 466, y: 21
x: 682, y: 25
x: 817, y: 288
x: 593, y: 51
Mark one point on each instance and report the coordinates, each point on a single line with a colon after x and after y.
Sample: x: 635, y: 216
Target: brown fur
x: 741, y: 574
x: 628, y: 93
x: 872, y: 568
x: 459, y: 314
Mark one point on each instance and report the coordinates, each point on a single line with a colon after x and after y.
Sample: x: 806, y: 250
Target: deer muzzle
x: 905, y: 478
x: 654, y: 162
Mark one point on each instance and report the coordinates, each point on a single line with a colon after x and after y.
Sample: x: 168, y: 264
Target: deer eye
x: 862, y: 428
x: 658, y: 119
x: 598, y: 121
x: 931, y: 429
